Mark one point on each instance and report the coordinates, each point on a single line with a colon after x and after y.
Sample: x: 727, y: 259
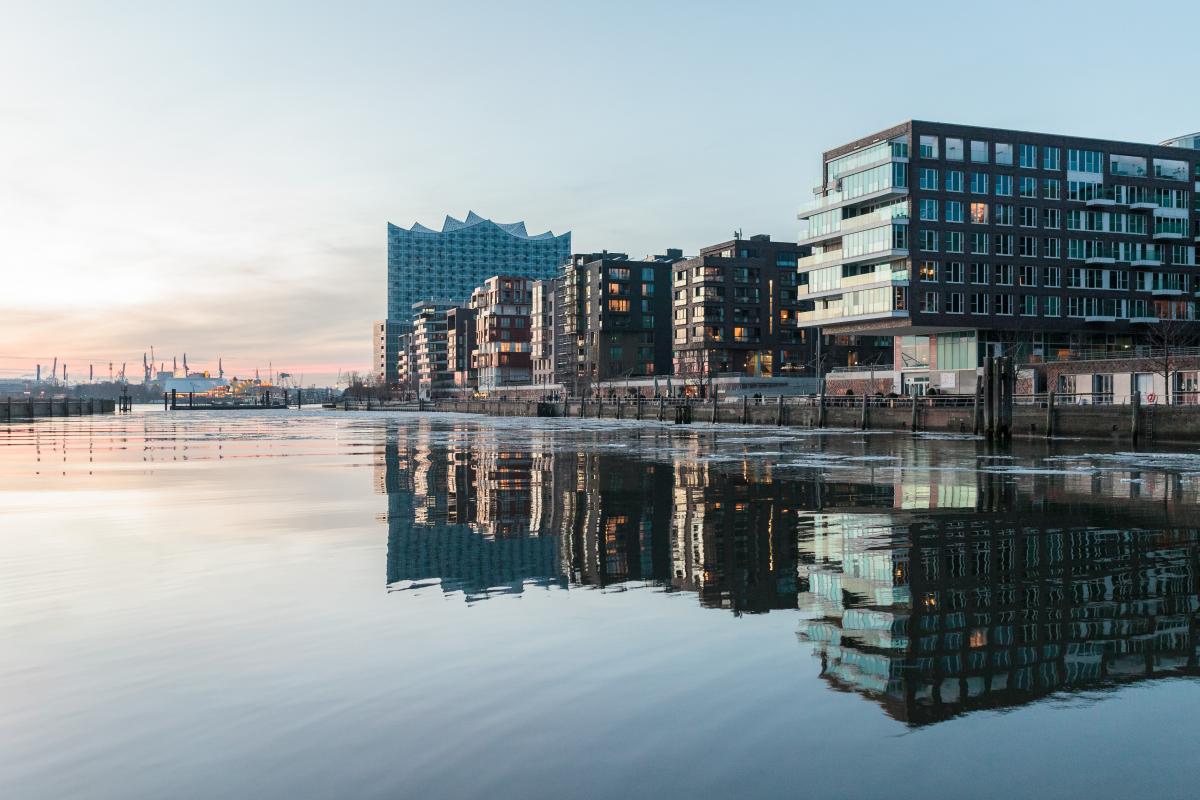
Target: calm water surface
x: 316, y: 604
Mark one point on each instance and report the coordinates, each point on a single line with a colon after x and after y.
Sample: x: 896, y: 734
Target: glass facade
x: 424, y: 264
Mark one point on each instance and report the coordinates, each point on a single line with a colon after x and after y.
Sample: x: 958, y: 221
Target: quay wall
x: 22, y: 408
x: 1115, y: 423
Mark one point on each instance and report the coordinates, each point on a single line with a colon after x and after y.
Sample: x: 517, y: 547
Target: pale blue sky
x: 216, y: 177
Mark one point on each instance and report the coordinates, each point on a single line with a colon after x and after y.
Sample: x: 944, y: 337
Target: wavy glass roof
x: 450, y: 224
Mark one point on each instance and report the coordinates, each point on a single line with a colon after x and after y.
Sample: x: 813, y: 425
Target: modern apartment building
x: 542, y: 336
x: 429, y: 344
x: 502, y: 355
x: 965, y: 241
x: 612, y: 319
x: 460, y: 342
x: 425, y: 264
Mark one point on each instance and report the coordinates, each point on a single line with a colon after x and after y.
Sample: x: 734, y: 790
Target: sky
x: 216, y: 178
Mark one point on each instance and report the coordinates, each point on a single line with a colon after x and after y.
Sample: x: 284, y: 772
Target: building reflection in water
x: 931, y: 592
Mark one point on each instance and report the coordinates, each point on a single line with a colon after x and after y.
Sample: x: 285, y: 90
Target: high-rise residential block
x: 502, y: 354
x: 613, y: 319
x: 964, y: 242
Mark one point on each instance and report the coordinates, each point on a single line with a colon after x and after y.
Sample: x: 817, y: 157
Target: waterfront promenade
x: 1032, y: 416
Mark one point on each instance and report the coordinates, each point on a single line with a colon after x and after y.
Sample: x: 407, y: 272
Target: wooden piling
x: 912, y: 426
x: 1135, y: 405
x: 1050, y: 414
x: 779, y: 412
x: 863, y: 422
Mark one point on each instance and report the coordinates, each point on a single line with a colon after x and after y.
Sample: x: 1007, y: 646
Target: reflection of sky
x: 190, y: 612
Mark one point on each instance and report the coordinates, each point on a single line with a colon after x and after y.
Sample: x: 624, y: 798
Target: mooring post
x: 913, y: 424
x: 863, y: 421
x: 174, y: 399
x: 821, y: 407
x: 662, y: 407
x: 1135, y: 404
x: 1050, y: 414
x: 745, y: 410
x: 715, y: 413
x: 975, y: 403
x: 599, y: 407
x: 989, y: 364
x: 779, y: 412
x: 191, y: 399
x: 619, y: 406
x: 638, y: 408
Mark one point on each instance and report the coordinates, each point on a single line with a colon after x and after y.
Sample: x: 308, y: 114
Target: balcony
x: 1103, y: 257
x: 1146, y: 260
x: 896, y: 214
x: 833, y: 200
x: 1160, y: 291
x: 1167, y: 236
x: 1102, y: 197
x: 1142, y: 202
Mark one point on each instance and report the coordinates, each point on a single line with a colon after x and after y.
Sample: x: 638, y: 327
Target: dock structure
x: 174, y: 401
x: 22, y: 408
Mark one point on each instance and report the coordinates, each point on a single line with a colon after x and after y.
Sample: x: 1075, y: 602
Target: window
x: 1029, y: 247
x: 979, y: 303
x: 1029, y: 216
x: 618, y: 304
x: 954, y: 211
x: 954, y: 272
x: 1085, y: 161
x: 1028, y: 187
x: 1004, y: 274
x: 929, y: 147
x: 929, y: 179
x: 1051, y: 218
x: 928, y: 271
x: 979, y: 213
x: 1004, y: 185
x: 929, y: 209
x: 1050, y: 158
x: 1003, y: 304
x: 1004, y: 153
x: 979, y: 152
x: 979, y: 183
x: 1051, y: 189
x: 1052, y: 305
x: 979, y: 244
x: 1028, y: 275
x: 954, y: 303
x: 954, y: 180
x: 954, y: 242
x: 1075, y: 278
x: 954, y: 149
x: 1002, y: 244
x: 1002, y: 214
x: 648, y: 274
x: 980, y: 273
x: 929, y: 303
x: 927, y: 241
x: 1028, y: 156
x: 1028, y: 305
x: 1052, y: 277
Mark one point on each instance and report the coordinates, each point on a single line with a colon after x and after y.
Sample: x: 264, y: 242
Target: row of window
x: 983, y: 303
x: 984, y: 273
x: 1049, y: 157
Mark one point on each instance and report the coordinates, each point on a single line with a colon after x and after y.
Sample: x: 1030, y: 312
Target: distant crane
x: 185, y: 366
x: 54, y: 370
x: 39, y: 373
x: 220, y: 368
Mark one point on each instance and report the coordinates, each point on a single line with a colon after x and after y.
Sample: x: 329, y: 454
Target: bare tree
x: 1168, y: 340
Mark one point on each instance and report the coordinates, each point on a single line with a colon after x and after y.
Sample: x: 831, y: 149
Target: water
x: 318, y: 604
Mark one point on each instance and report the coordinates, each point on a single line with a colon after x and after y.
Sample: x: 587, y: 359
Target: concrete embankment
x: 1040, y: 419
x: 21, y: 408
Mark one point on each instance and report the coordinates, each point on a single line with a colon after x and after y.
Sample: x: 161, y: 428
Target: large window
x: 1004, y: 185
x: 929, y: 209
x: 979, y: 152
x: 929, y: 147
x: 1004, y: 154
x: 954, y: 149
x: 1085, y: 160
x: 1028, y: 156
x: 954, y: 211
x: 956, y: 351
x: 979, y: 213
x: 1051, y: 158
x: 979, y: 183
x: 954, y: 180
x: 928, y: 179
